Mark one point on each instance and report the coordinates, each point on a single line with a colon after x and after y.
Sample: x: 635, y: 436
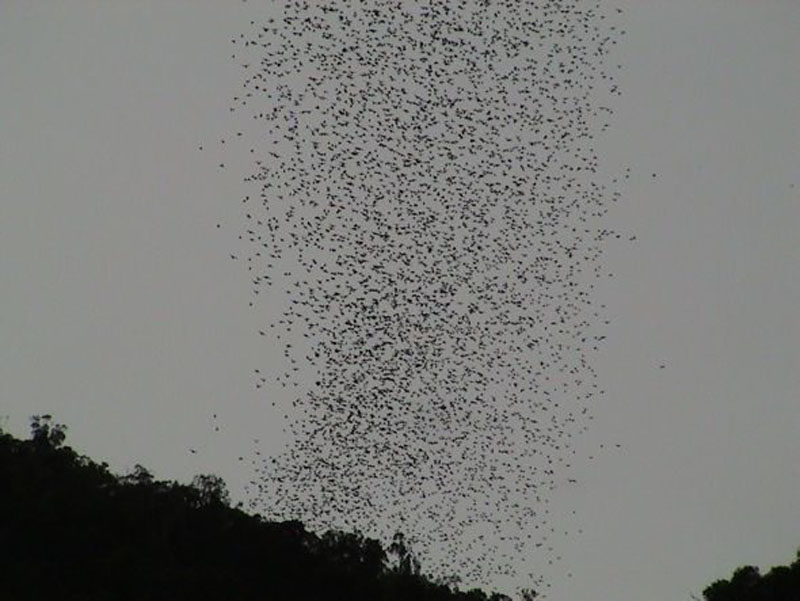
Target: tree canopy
x: 781, y: 583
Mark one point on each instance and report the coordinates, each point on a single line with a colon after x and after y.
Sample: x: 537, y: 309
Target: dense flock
x: 425, y: 216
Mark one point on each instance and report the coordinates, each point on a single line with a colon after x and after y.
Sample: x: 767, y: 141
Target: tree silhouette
x: 406, y: 562
x: 45, y: 434
x: 781, y: 583
x: 212, y: 490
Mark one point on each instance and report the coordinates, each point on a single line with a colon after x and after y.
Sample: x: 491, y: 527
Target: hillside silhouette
x: 70, y: 530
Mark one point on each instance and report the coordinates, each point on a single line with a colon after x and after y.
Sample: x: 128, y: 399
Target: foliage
x: 45, y: 434
x: 71, y: 530
x: 781, y: 583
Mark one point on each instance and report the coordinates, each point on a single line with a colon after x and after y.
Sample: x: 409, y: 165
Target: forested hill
x: 71, y: 530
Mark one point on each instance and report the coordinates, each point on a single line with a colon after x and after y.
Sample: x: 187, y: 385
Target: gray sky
x: 123, y: 315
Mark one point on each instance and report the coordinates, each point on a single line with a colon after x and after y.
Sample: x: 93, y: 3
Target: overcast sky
x: 123, y: 315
